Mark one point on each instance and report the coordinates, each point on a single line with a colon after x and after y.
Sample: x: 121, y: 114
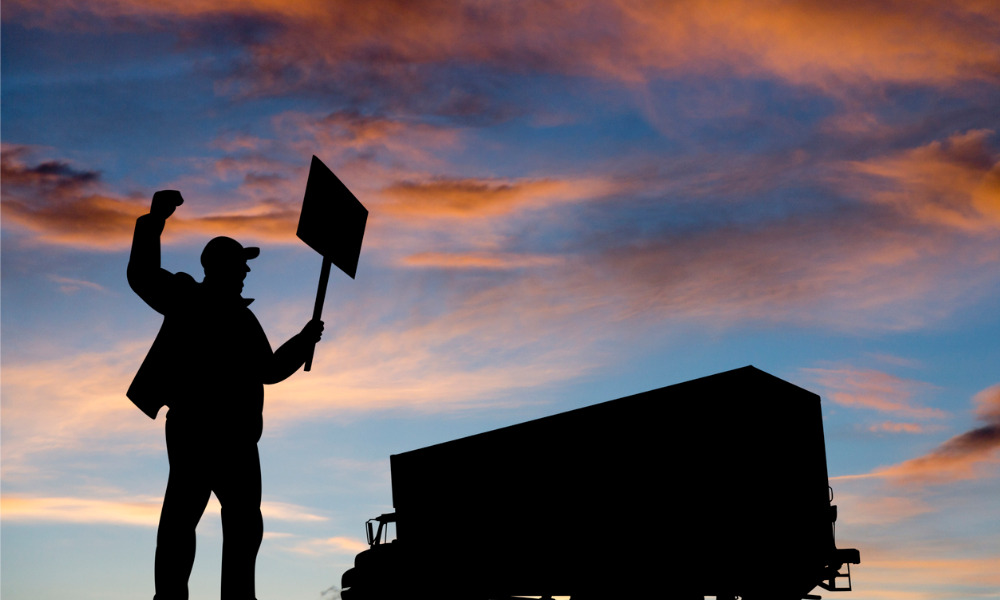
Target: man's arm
x: 293, y: 353
x: 145, y: 276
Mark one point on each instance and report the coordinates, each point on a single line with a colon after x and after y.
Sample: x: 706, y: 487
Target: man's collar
x: 225, y: 297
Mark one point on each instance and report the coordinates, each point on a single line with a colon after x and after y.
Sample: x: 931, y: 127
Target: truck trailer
x: 713, y: 487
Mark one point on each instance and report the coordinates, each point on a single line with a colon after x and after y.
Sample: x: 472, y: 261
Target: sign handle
x: 324, y: 279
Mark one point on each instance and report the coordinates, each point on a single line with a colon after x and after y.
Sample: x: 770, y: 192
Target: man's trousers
x: 202, y: 462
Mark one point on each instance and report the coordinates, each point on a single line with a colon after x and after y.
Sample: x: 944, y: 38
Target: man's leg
x: 238, y: 490
x: 183, y: 504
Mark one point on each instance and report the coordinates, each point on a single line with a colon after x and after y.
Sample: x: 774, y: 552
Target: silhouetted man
x: 208, y: 364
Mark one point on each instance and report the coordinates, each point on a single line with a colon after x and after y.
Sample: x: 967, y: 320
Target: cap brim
x: 252, y: 252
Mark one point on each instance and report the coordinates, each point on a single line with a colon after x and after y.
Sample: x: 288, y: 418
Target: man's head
x: 225, y: 261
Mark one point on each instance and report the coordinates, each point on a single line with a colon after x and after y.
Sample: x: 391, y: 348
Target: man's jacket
x: 211, y: 357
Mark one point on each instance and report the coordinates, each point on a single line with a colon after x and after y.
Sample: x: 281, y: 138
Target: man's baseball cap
x: 225, y: 251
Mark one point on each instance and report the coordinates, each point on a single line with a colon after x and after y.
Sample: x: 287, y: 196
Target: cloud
x: 386, y: 352
x: 891, y: 427
x: 479, y: 260
x: 319, y: 547
x: 51, y: 174
x: 952, y: 183
x: 456, y: 361
x: 898, y: 530
x: 466, y: 198
x: 142, y: 511
x: 400, y: 53
x: 283, y: 511
x: 139, y: 511
x: 57, y: 204
x: 875, y: 390
x: 903, y: 576
x: 68, y: 285
x: 859, y: 267
x: 863, y: 510
x: 83, y: 407
x: 58, y: 201
x: 849, y: 272
x: 355, y: 134
x: 969, y: 455
x: 687, y: 241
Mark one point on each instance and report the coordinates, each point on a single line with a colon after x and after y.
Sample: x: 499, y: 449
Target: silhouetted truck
x: 713, y: 487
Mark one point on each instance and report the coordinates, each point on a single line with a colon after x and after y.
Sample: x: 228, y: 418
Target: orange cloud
x: 903, y: 552
x: 875, y: 390
x: 319, y: 547
x: 479, y: 260
x: 374, y: 360
x: 58, y: 205
x: 68, y: 285
x: 902, y: 576
x: 57, y: 200
x: 831, y: 45
x: 850, y: 272
x: 341, y: 132
x: 80, y: 408
x: 870, y: 509
x: 103, y: 223
x: 444, y: 197
x: 954, y: 183
x: 968, y: 455
x: 898, y: 427
x: 93, y: 221
x: 144, y: 512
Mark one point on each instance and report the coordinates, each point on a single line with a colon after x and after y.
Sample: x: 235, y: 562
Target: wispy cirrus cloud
x: 875, y: 390
x: 69, y: 285
x: 905, y: 576
x: 324, y: 546
x: 67, y: 509
x: 396, y: 46
x: 866, y: 509
x: 860, y: 266
x: 423, y: 360
x: 139, y: 511
x: 62, y: 206
x: 892, y: 427
x: 971, y: 455
x: 60, y: 202
x: 479, y: 260
x: 968, y: 455
x: 952, y: 183
x: 473, y: 198
x: 79, y: 410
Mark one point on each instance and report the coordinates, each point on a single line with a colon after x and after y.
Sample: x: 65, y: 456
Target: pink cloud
x: 952, y: 183
x: 901, y: 575
x: 875, y: 390
x: 465, y: 198
x: 144, y: 511
x: 969, y: 455
x: 830, y: 45
x: 339, y: 545
x: 892, y: 427
x: 479, y: 260
x: 60, y: 205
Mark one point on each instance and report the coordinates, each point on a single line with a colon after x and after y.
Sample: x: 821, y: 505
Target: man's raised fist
x: 164, y: 203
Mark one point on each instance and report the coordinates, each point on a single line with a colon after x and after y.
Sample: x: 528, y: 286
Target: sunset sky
x: 570, y: 201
